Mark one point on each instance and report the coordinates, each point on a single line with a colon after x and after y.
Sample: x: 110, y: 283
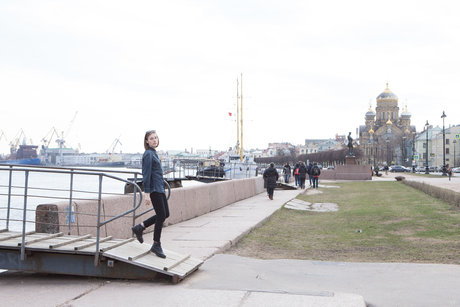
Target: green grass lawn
x: 376, y: 222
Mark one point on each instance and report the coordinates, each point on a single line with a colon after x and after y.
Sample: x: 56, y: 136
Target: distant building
x: 301, y: 150
x: 257, y: 153
x: 420, y: 146
x: 317, y: 145
x: 56, y: 155
x: 387, y: 137
x: 206, y: 153
x: 280, y: 149
x: 435, y: 148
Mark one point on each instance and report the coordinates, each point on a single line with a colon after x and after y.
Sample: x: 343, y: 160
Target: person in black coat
x: 270, y: 178
x: 302, y: 175
x: 287, y: 172
x: 315, y: 171
x: 310, y: 176
x: 295, y: 172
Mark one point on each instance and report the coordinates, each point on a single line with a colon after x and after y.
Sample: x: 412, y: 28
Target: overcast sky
x: 310, y: 68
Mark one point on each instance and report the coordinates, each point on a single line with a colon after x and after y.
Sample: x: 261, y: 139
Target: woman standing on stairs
x: 152, y: 180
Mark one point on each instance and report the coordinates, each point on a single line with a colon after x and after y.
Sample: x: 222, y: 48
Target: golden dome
x: 371, y: 131
x: 370, y: 114
x: 389, y: 122
x: 405, y: 113
x: 387, y: 95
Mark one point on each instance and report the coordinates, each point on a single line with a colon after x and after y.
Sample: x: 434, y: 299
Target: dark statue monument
x: 350, y: 145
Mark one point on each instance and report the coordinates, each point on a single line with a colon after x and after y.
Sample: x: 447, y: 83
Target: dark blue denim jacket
x: 152, y: 173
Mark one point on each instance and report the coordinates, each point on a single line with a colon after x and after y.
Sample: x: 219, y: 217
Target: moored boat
x: 24, y: 155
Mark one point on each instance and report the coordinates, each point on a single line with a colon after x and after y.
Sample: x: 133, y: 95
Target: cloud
x: 310, y: 69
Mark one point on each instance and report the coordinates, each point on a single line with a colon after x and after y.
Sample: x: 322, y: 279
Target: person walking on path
x: 287, y: 172
x: 376, y: 171
x: 310, y: 176
x: 296, y: 174
x: 270, y: 178
x: 449, y: 171
x: 152, y: 180
x: 315, y: 171
x: 302, y: 175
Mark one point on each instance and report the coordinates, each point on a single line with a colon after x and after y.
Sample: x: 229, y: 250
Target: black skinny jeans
x: 160, y: 205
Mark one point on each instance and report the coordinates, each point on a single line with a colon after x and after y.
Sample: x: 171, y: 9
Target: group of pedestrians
x: 299, y: 171
x: 300, y: 174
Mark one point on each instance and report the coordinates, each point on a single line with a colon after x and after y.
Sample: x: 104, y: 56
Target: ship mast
x: 241, y: 100
x: 237, y: 118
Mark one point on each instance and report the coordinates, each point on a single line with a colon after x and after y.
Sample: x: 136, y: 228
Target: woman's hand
x: 147, y: 199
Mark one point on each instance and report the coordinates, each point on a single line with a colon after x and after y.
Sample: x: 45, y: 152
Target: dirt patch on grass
x: 428, y: 241
x: 407, y: 231
x: 396, y: 221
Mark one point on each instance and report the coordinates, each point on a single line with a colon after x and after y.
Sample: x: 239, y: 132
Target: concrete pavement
x: 381, y: 284
x: 202, y: 237
x: 228, y: 280
x: 434, y: 179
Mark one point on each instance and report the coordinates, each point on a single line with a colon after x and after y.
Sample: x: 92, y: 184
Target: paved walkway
x: 434, y: 179
x: 228, y: 280
x: 202, y: 237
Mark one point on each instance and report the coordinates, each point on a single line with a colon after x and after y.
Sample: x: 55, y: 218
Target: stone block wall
x: 184, y: 204
x: 347, y: 172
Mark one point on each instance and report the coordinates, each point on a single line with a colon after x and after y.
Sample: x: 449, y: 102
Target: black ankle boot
x: 138, y: 230
x: 156, y: 248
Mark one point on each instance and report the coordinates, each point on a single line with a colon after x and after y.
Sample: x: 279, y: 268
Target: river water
x: 49, y: 188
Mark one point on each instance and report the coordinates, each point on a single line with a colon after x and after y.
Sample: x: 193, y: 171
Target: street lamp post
x: 403, y: 149
x: 413, y: 152
x: 454, y: 141
x: 388, y: 151
x: 443, y: 145
x: 371, y: 142
x: 375, y: 146
x: 427, y: 170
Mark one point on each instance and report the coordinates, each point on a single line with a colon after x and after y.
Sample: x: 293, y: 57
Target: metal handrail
x: 87, y: 171
x: 72, y: 168
x: 71, y: 171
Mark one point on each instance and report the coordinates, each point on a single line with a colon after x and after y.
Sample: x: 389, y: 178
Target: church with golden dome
x: 387, y: 136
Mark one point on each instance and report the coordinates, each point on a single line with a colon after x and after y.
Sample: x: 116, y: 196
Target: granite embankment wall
x: 184, y: 204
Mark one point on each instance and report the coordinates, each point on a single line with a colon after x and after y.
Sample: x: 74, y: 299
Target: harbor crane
x: 70, y: 125
x: 3, y: 135
x: 61, y: 145
x: 47, y: 141
x: 49, y: 137
x: 112, y: 147
x: 15, y: 142
x: 59, y: 138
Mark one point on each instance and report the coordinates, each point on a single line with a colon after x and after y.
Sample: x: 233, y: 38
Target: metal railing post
x: 101, y: 221
x: 98, y: 229
x: 9, y: 199
x: 70, y: 201
x: 24, y: 216
x: 134, y: 202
